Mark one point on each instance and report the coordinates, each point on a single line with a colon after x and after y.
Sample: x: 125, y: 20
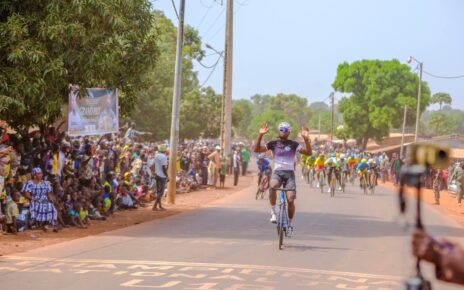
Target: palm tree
x: 441, y: 98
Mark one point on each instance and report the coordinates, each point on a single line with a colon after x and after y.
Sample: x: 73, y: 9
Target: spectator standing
x: 236, y: 162
x: 215, y: 158
x: 458, y: 175
x: 437, y: 182
x: 161, y: 176
x: 203, y: 159
x: 245, y: 158
x: 396, y: 168
x: 39, y: 192
x: 222, y: 178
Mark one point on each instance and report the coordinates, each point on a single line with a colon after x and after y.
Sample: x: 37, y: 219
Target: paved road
x: 347, y: 242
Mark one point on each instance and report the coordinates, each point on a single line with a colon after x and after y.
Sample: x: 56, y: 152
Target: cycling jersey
x: 334, y: 163
x: 343, y: 165
x: 310, y: 162
x: 284, y: 152
x: 319, y: 162
x: 363, y: 166
x: 352, y: 161
x: 264, y: 165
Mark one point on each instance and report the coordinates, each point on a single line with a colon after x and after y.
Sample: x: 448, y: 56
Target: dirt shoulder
x: 32, y: 239
x: 447, y: 206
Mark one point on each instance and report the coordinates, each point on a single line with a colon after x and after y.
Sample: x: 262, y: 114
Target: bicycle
x: 333, y: 182
x: 321, y: 180
x: 363, y: 181
x: 311, y: 176
x: 282, y: 216
x: 343, y: 180
x: 373, y: 182
x: 262, y: 185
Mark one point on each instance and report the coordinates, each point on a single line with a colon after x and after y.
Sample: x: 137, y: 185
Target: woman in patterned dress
x: 43, y: 211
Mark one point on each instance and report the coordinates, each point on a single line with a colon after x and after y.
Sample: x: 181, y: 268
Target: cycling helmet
x: 371, y: 160
x: 363, y: 160
x: 330, y: 161
x: 353, y: 156
x: 285, y: 127
x: 261, y: 156
x: 342, y: 156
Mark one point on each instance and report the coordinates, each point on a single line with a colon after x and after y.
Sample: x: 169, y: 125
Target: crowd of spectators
x: 51, y: 181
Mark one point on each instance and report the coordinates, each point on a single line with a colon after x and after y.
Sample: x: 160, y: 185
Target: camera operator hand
x: 447, y: 257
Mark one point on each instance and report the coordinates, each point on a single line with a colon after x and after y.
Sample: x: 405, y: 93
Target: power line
x: 206, y: 66
x: 443, y: 77
x: 223, y: 25
x: 175, y: 9
x: 212, y: 71
x: 214, y: 22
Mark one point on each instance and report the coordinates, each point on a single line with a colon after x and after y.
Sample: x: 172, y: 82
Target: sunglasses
x: 284, y: 130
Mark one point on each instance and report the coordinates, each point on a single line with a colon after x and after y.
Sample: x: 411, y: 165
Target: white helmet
x: 285, y: 126
x: 342, y: 156
x: 370, y: 161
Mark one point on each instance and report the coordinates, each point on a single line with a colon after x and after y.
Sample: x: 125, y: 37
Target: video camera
x: 420, y: 157
x: 428, y: 155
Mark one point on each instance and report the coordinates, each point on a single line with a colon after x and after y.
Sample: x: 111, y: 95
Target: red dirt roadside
x: 31, y: 239
x: 447, y: 204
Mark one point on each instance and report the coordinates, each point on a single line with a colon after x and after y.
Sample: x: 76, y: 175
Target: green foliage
x: 48, y: 44
x: 325, y: 121
x: 379, y: 90
x: 273, y: 118
x: 440, y: 124
x: 294, y: 106
x: 441, y: 98
x: 242, y: 113
x: 200, y: 108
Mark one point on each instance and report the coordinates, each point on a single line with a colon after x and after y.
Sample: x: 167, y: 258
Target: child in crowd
x: 11, y: 214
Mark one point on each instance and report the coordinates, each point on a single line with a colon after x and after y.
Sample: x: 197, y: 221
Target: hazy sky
x: 295, y: 46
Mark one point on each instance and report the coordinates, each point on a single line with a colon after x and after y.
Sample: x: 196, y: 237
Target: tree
x: 441, y: 98
x: 325, y: 121
x: 273, y: 119
x: 153, y: 111
x: 242, y: 113
x: 319, y: 106
x: 440, y: 124
x: 294, y: 106
x: 48, y: 44
x: 379, y: 90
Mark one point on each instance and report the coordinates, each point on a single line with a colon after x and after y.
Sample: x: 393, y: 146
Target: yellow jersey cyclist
x: 303, y: 159
x: 352, y: 162
x: 332, y: 166
x: 319, y: 165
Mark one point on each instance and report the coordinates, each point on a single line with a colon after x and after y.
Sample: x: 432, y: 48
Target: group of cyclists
x: 339, y: 168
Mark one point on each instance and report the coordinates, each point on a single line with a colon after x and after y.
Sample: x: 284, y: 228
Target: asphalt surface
x: 352, y: 241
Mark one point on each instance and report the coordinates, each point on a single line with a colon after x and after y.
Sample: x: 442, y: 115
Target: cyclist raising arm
x: 284, y: 151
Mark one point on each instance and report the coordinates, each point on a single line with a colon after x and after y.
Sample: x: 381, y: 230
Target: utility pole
x: 174, y: 138
x: 227, y: 103
x: 404, y: 126
x: 319, y: 127
x: 418, y: 103
x: 332, y: 96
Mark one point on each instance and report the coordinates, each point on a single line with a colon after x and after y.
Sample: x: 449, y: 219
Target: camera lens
x: 442, y: 154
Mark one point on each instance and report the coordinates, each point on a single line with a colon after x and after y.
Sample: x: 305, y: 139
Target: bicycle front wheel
x: 281, y: 227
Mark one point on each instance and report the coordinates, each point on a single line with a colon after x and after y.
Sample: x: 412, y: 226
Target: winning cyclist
x: 284, y: 151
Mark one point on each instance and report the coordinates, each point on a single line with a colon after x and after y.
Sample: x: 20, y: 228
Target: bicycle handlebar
x: 284, y: 189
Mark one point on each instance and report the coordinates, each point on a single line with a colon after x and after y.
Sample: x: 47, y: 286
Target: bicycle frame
x: 282, y: 216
